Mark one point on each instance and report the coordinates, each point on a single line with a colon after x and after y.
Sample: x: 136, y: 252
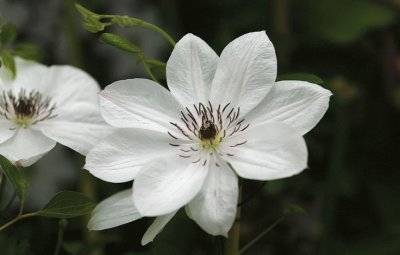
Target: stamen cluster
x: 208, y: 126
x: 26, y: 109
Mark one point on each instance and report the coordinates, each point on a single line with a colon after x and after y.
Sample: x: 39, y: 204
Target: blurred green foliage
x: 8, y: 49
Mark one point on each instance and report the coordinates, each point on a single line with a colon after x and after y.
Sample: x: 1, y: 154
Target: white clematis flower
x: 222, y: 118
x: 44, y: 105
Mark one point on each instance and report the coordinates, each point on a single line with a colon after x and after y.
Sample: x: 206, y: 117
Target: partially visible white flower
x: 179, y: 146
x: 44, y: 105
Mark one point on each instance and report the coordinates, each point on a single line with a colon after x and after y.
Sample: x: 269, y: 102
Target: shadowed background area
x: 351, y: 189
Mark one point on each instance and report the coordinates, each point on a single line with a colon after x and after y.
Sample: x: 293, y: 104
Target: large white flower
x: 222, y: 118
x: 44, y: 105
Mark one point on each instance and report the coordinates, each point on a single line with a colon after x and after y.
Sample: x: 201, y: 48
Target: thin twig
x: 16, y: 219
x: 257, y: 238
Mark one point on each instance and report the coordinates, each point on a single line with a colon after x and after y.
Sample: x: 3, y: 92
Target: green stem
x: 160, y: 31
x: 218, y: 245
x: 125, y: 21
x: 146, y: 67
x: 257, y: 238
x: 2, y: 185
x: 20, y: 216
x: 129, y: 21
x: 232, y: 243
x: 88, y: 187
x: 72, y: 35
x: 16, y: 219
x: 62, y: 226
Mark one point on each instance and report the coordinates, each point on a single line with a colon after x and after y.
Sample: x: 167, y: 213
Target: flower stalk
x: 146, y: 67
x: 263, y: 233
x: 19, y: 217
x: 233, y: 241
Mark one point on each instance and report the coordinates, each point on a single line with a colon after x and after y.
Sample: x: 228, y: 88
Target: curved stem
x: 160, y: 31
x: 16, y: 219
x: 20, y: 216
x: 138, y: 22
x: 257, y: 238
x: 146, y: 66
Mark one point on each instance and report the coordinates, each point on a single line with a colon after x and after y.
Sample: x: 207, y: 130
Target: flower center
x: 25, y: 109
x: 208, y: 128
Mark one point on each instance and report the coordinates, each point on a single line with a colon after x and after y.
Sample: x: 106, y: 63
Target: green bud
x: 119, y: 42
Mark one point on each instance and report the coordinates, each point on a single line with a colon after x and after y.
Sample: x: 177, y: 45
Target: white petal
x: 272, y: 151
x: 63, y: 84
x: 214, y: 208
x: 190, y: 70
x: 120, y: 156
x: 30, y: 76
x: 114, y: 211
x: 79, y: 127
x: 156, y: 227
x: 166, y: 185
x: 298, y: 103
x: 26, y: 146
x: 68, y: 85
x: 139, y: 103
x: 246, y: 72
x: 6, y: 129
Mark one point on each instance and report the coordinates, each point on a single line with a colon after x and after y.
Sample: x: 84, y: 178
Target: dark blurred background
x: 351, y: 190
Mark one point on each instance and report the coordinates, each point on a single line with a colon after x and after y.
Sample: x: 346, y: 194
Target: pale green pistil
x: 209, y: 135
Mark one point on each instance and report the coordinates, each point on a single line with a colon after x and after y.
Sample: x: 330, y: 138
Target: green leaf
x: 67, y: 204
x: 294, y: 210
x: 300, y: 77
x: 15, y: 177
x: 8, y: 62
x: 28, y: 51
x: 7, y: 34
x: 119, y: 42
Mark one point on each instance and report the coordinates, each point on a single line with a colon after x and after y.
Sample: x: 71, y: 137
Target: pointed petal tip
x: 90, y: 225
x: 145, y: 241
